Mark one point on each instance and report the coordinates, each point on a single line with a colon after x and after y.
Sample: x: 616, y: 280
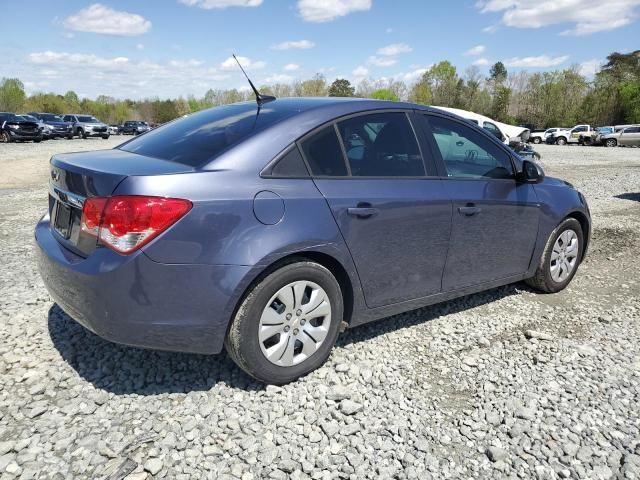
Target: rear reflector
x: 126, y: 223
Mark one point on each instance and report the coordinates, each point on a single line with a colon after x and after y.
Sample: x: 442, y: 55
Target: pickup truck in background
x: 565, y: 136
x: 539, y: 136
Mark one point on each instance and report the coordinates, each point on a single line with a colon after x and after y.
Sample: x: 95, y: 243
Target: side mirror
x: 531, y: 172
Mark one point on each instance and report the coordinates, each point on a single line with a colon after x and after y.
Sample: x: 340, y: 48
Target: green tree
x: 384, y: 94
x: 341, y: 87
x: 498, y: 72
x: 442, y: 79
x: 12, y: 95
x: 314, y: 87
x: 420, y: 93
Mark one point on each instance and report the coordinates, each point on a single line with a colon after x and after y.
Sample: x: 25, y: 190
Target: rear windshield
x: 197, y: 138
x: 87, y: 119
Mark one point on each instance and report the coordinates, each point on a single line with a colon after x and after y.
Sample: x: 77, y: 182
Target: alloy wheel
x: 295, y: 323
x: 564, y: 256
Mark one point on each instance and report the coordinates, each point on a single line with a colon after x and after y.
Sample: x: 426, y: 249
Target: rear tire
x: 549, y: 276
x: 105, y: 137
x: 293, y: 327
x: 5, y: 137
x: 537, y: 140
x: 561, y: 141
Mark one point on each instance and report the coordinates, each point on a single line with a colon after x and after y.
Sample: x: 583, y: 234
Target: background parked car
x: 630, y: 137
x: 58, y: 127
x: 86, y: 126
x: 115, y: 129
x: 45, y: 130
x: 565, y: 136
x: 613, y: 139
x: 540, y: 136
x: 135, y: 127
x: 13, y: 128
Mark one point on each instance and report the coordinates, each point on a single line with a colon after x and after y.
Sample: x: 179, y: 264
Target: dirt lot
x: 506, y: 383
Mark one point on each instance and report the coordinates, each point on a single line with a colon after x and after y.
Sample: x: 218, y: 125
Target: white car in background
x: 506, y: 133
x: 539, y: 137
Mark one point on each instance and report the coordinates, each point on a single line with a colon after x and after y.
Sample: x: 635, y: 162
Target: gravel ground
x: 503, y: 384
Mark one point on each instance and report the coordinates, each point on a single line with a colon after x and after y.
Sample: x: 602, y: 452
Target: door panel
x: 400, y: 247
x: 497, y: 240
x: 495, y: 219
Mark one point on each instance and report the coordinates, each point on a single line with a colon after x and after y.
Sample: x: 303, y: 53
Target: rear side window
x: 381, y: 145
x: 290, y: 165
x: 323, y: 153
x: 197, y: 138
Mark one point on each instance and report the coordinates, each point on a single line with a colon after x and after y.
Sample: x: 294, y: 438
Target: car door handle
x: 459, y: 143
x: 469, y: 210
x: 362, y: 211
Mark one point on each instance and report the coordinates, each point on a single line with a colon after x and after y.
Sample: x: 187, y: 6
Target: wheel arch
x: 586, y: 228
x: 328, y: 261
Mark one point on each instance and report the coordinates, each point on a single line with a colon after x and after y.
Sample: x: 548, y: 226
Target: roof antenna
x: 260, y: 99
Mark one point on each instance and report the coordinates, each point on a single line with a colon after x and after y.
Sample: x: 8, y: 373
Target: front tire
x: 610, y: 142
x: 561, y: 141
x: 560, y: 259
x: 287, y: 324
x: 537, y: 140
x: 5, y: 137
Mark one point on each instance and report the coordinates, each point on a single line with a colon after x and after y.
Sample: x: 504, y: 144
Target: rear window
x: 87, y: 119
x: 197, y: 138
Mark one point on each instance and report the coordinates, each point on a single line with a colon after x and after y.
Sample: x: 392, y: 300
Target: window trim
x: 408, y: 114
x: 438, y: 155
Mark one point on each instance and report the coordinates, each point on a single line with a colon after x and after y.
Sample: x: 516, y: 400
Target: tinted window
x: 467, y: 153
x: 290, y: 165
x: 323, y: 153
x: 47, y: 117
x: 68, y: 118
x: 86, y: 118
x: 197, y: 138
x: 632, y: 130
x: 381, y: 145
x: 580, y: 129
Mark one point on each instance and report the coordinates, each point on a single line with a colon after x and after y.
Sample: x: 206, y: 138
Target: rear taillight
x: 126, y: 223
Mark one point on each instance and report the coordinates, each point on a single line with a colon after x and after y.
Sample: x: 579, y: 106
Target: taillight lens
x: 127, y: 222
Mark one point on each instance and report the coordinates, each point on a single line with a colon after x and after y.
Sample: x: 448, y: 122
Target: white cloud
x: 540, y: 61
x: 394, y: 49
x: 382, y: 61
x: 77, y: 59
x: 481, y: 62
x: 219, y: 4
x: 415, y: 74
x: 119, y: 76
x: 585, y: 16
x: 318, y: 11
x: 291, y: 67
x: 360, y: 72
x: 278, y: 78
x: 590, y: 67
x: 98, y: 18
x: 490, y: 29
x: 298, y: 44
x: 140, y: 46
x: 475, y: 51
x: 230, y: 64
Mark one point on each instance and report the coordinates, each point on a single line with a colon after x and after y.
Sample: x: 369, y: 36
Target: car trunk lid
x: 77, y: 176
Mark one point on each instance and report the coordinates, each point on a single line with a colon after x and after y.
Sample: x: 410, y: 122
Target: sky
x: 169, y: 48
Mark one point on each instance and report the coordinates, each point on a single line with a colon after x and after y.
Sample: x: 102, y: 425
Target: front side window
x: 580, y: 129
x: 467, y: 153
x: 381, y: 145
x: 323, y: 153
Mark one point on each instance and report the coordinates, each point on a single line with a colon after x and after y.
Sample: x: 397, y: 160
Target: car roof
x: 300, y: 115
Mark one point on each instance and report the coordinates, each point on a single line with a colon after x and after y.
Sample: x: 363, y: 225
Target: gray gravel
x: 506, y: 383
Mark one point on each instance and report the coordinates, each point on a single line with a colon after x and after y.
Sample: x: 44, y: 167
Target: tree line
x: 545, y: 99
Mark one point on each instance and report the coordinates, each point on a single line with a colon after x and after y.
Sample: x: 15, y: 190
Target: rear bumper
x: 135, y: 301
